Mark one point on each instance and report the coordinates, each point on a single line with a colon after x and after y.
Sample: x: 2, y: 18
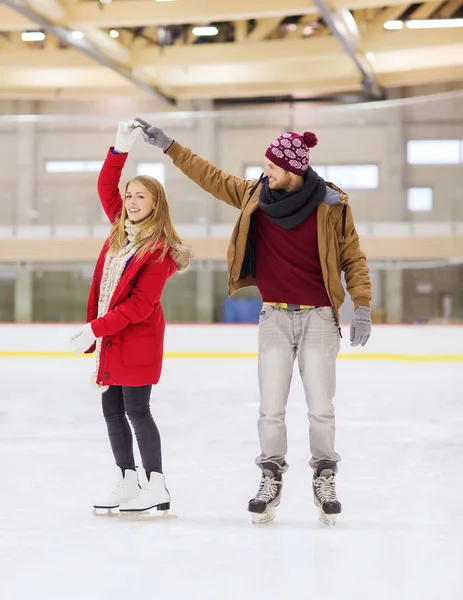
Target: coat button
x: 106, y: 376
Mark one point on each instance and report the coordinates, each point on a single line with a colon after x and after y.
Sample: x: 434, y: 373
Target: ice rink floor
x: 400, y: 537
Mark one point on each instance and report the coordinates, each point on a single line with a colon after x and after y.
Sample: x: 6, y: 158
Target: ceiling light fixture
x: 434, y: 23
x: 32, y: 36
x: 424, y: 24
x: 114, y: 33
x: 77, y: 35
x: 393, y: 25
x: 200, y: 31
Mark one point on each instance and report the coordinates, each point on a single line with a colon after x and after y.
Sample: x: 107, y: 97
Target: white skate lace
x: 267, y: 489
x: 325, y: 489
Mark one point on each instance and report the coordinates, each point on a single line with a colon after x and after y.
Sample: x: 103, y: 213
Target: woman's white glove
x: 127, y: 133
x: 83, y: 339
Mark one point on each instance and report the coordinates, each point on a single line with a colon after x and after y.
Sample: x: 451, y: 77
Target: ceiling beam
x: 61, y: 78
x: 449, y: 9
x: 296, y: 89
x: 52, y: 9
x: 263, y: 28
x: 241, y: 31
x: 216, y: 54
x: 425, y: 10
x: 391, y: 13
x: 142, y: 13
x: 274, y: 52
x: 225, y: 76
x: 280, y: 51
x: 99, y: 85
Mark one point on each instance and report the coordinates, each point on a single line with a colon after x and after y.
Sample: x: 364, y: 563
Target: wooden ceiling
x: 263, y: 48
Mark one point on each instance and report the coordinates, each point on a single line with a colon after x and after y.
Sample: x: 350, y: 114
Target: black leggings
x: 120, y: 402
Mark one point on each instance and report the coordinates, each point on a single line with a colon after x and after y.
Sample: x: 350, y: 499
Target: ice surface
x: 400, y: 537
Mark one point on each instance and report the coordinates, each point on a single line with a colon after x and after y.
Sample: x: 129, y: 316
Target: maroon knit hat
x: 291, y: 151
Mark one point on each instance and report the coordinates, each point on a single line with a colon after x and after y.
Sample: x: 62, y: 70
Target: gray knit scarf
x: 289, y: 209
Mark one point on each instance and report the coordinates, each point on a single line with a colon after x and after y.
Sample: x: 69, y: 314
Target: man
x: 294, y: 236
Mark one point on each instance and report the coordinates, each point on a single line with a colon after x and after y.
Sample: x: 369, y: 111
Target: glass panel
x: 353, y: 177
x: 434, y: 152
x: 73, y: 166
x: 156, y: 170
x: 419, y: 199
x: 252, y: 172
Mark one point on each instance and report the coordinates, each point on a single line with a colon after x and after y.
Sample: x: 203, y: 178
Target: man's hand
x: 360, y: 329
x: 154, y: 135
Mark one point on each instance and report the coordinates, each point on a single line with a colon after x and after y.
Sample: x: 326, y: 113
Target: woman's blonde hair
x: 157, y: 227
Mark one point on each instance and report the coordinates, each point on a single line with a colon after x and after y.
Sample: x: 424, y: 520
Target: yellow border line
x: 243, y: 355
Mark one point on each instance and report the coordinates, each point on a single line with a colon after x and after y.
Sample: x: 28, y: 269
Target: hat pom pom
x: 310, y: 139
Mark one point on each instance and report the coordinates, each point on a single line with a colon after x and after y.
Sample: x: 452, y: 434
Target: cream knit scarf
x: 112, y: 272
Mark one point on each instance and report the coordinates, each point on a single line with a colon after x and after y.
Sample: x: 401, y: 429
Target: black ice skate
x: 324, y: 491
x: 267, y: 498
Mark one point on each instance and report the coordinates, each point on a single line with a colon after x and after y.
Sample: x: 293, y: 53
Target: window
x: 435, y: 152
x: 350, y: 177
x: 251, y: 173
x: 73, y: 166
x: 419, y: 199
x: 156, y: 170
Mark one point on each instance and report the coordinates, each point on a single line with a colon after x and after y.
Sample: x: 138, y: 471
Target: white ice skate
x: 153, y: 496
x: 126, y: 489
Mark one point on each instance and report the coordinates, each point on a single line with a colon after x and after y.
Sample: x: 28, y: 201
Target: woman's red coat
x: 133, y: 328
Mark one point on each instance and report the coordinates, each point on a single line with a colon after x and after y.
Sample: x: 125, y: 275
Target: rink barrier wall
x: 407, y: 343
x: 246, y: 355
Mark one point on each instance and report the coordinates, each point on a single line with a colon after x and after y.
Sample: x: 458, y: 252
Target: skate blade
x: 108, y: 512
x: 145, y: 515
x: 266, y: 517
x: 329, y: 520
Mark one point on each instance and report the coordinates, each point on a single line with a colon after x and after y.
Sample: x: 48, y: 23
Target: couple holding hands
x: 294, y: 236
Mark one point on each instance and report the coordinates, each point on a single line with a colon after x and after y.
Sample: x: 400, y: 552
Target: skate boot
x: 262, y: 507
x: 125, y: 489
x: 154, y: 495
x: 325, y: 493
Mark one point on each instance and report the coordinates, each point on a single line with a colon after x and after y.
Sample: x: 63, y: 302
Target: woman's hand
x: 127, y: 133
x: 83, y: 339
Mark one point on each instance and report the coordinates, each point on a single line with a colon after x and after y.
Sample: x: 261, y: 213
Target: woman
x: 125, y: 321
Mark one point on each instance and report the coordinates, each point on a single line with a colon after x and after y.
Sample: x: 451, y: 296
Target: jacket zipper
x: 328, y: 275
x: 103, y: 367
x: 238, y: 228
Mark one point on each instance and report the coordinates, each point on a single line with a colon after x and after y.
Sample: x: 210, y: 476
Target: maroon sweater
x: 287, y: 262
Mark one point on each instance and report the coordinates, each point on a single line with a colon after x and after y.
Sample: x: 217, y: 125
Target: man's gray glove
x: 155, y: 136
x: 360, y: 328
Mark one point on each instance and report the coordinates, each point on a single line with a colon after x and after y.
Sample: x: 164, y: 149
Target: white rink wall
x: 414, y: 342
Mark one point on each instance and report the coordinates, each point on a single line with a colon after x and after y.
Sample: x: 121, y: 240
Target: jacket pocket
x: 139, y: 350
